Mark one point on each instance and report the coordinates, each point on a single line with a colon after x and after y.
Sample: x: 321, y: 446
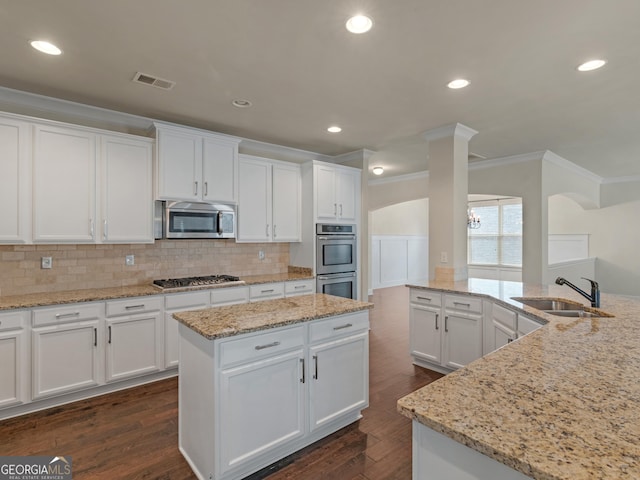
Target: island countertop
x: 226, y: 321
x: 560, y: 403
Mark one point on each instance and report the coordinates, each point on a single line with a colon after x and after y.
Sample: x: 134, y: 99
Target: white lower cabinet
x: 134, y: 337
x: 500, y: 328
x: 65, y: 349
x: 446, y: 330
x: 250, y: 400
x: 14, y: 361
x: 266, y: 291
x: 299, y: 287
x: 179, y: 302
x: 526, y: 325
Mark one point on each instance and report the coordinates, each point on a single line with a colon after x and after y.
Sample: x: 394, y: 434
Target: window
x: 498, y: 241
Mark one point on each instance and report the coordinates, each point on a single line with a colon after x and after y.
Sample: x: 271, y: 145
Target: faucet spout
x: 593, y: 297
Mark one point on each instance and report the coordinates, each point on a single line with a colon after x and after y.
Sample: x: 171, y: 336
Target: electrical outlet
x: 129, y: 260
x: 46, y: 262
x: 444, y: 258
x: 261, y: 255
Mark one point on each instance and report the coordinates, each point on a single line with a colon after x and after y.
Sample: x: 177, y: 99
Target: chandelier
x: 473, y: 221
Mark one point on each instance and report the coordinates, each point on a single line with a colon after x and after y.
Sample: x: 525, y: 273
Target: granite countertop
x: 560, y: 403
x: 219, y: 322
x: 10, y: 302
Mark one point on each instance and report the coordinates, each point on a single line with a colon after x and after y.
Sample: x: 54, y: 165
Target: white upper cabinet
x: 269, y: 206
x: 126, y: 190
x: 64, y: 185
x: 337, y: 191
x: 15, y: 181
x: 194, y: 165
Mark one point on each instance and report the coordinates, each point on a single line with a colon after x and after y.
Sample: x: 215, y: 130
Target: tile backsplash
x: 100, y: 266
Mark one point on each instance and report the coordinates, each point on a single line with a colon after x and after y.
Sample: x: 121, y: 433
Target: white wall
x: 407, y: 218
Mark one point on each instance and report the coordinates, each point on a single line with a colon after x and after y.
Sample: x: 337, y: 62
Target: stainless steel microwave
x: 194, y: 220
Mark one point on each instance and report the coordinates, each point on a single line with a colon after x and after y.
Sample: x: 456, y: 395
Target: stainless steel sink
x: 561, y: 308
x: 548, y: 304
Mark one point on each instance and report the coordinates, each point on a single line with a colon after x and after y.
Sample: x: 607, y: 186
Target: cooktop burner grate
x: 195, y: 281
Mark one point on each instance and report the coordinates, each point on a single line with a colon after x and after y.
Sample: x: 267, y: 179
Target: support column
x: 448, y: 199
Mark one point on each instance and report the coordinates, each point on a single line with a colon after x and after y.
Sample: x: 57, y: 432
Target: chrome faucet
x: 594, y: 298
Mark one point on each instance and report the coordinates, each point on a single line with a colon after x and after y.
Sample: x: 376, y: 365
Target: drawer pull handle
x: 302, y: 380
x: 315, y: 359
x: 348, y: 325
x: 266, y: 291
x: 268, y: 345
x: 95, y: 337
x: 299, y: 286
x: 109, y: 333
x: 462, y: 303
x: 67, y: 315
x: 424, y: 298
x: 132, y: 307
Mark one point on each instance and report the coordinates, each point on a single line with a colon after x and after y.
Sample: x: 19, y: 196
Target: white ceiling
x: 303, y: 71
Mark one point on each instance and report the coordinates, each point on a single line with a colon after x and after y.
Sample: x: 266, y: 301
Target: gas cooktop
x: 193, y: 282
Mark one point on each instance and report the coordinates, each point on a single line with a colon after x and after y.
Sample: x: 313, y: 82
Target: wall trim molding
x: 454, y: 129
x: 556, y: 159
x: 400, y: 178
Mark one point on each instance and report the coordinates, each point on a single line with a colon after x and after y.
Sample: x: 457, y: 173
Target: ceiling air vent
x: 153, y: 81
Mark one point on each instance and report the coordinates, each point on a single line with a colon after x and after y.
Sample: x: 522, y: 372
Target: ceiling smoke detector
x: 152, y: 81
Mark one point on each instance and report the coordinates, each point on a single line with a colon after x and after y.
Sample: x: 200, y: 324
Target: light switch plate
x: 46, y: 262
x: 261, y: 255
x: 129, y: 260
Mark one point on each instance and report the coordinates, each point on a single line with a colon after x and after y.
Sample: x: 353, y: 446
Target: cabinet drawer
x: 425, y: 297
x: 69, y: 313
x: 266, y: 291
x: 132, y: 306
x: 229, y: 296
x: 504, y: 316
x: 251, y: 348
x: 12, y: 320
x: 338, y: 326
x: 464, y: 303
x: 186, y: 300
x: 299, y: 287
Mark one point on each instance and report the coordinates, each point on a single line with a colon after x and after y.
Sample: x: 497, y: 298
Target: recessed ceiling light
x: 378, y: 170
x: 359, y: 24
x: 458, y: 83
x: 46, y: 47
x: 241, y: 103
x: 334, y: 129
x: 591, y: 65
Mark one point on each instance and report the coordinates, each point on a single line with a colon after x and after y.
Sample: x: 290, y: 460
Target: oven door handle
x: 337, y: 275
x: 338, y: 237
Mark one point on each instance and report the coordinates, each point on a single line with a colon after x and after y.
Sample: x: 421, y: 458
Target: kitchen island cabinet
x: 562, y: 402
x: 262, y: 380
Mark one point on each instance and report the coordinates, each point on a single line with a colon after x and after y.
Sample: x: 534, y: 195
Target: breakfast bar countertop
x: 226, y: 321
x: 560, y: 403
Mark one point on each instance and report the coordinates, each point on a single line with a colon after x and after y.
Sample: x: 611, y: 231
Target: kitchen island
x: 560, y: 403
x: 260, y: 381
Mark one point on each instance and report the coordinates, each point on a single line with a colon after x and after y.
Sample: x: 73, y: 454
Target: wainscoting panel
x: 398, y: 259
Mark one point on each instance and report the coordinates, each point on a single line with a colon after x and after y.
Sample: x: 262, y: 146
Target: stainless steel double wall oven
x: 336, y: 260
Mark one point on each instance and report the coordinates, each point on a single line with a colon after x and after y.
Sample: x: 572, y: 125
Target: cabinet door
x: 133, y: 346
x: 286, y: 203
x: 179, y: 165
x: 346, y: 195
x: 64, y: 185
x: 220, y: 171
x: 15, y: 182
x: 425, y: 333
x: 12, y: 367
x: 254, y: 203
x: 325, y: 193
x: 500, y: 336
x: 127, y: 190
x: 339, y: 382
x: 462, y: 339
x: 64, y: 358
x: 261, y: 407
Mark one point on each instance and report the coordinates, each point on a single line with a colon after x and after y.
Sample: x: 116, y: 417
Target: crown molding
x: 455, y: 129
x: 399, y: 178
x: 551, y: 157
x: 624, y: 179
x: 502, y: 161
x: 280, y: 152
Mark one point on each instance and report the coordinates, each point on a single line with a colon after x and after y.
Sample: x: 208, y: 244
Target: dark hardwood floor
x: 133, y: 434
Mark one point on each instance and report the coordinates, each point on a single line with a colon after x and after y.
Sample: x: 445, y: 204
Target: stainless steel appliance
x: 336, y: 260
x: 194, y: 220
x: 194, y: 282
